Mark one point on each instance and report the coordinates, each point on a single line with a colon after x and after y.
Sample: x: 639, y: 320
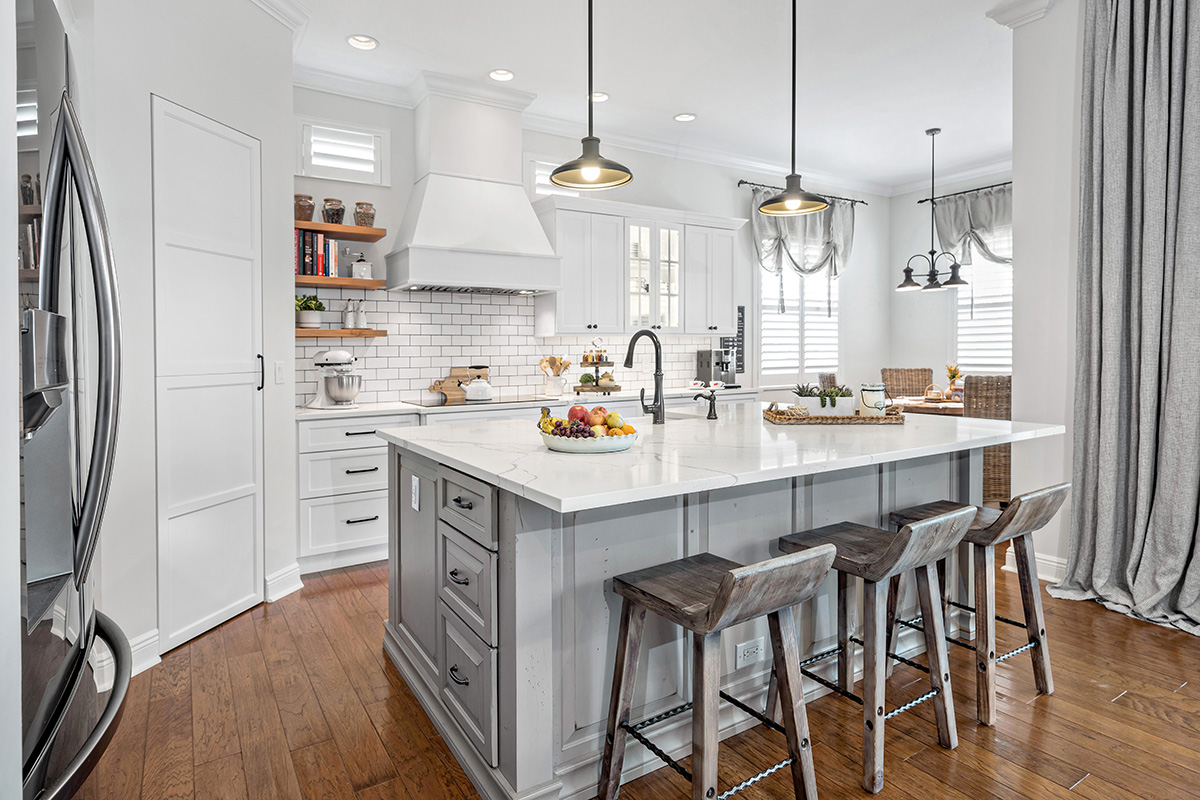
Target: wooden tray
x: 591, y: 387
x: 775, y: 415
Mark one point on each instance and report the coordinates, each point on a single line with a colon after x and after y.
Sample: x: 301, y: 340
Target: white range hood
x: 469, y: 226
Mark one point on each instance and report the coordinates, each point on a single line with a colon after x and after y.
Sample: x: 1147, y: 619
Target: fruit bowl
x: 605, y: 444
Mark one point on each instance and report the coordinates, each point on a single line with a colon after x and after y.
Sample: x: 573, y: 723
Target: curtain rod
x: 850, y: 200
x: 965, y: 191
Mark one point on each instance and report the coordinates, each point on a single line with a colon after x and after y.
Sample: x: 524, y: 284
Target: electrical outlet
x: 750, y: 652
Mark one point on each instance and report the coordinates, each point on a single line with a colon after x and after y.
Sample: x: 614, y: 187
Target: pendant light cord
x: 932, y: 184
x: 793, y: 86
x: 590, y: 101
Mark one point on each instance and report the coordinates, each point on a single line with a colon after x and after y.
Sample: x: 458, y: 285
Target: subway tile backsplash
x: 430, y: 332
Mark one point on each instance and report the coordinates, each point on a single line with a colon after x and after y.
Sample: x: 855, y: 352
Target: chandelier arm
x: 919, y: 255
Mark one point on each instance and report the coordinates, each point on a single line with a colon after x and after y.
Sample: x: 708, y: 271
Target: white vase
x: 844, y: 407
x: 308, y: 319
x: 555, y: 384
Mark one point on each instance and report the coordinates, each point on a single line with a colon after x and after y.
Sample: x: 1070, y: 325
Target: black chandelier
x: 932, y: 283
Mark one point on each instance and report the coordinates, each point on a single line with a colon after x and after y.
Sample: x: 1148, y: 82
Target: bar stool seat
x: 875, y: 556
x: 984, y: 517
x: 705, y: 594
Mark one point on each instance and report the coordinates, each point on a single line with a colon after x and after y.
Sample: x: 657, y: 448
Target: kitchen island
x: 501, y: 554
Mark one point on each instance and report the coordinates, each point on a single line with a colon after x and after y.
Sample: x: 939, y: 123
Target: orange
x: 614, y: 432
x: 628, y: 429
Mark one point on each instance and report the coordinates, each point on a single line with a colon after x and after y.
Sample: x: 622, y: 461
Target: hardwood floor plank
x: 214, y: 724
x: 392, y: 790
x: 240, y: 638
x: 303, y: 722
x: 221, y: 779
x: 167, y: 770
x: 422, y: 769
x: 266, y: 760
x: 361, y: 665
x: 367, y: 581
x: 118, y: 776
x: 321, y: 772
x: 344, y: 588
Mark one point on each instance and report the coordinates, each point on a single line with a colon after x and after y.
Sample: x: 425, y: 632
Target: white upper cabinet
x: 654, y: 275
x: 590, y: 301
x: 709, y: 270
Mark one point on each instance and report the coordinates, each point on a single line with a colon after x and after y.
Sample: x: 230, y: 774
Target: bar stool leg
x: 939, y: 659
x: 791, y: 693
x: 1035, y: 620
x: 984, y: 557
x: 875, y: 635
x: 845, y: 661
x: 945, y: 593
x: 629, y: 641
x: 706, y: 686
x: 894, y: 594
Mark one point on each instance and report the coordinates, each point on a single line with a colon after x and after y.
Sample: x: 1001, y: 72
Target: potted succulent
x: 308, y: 311
x: 825, y: 402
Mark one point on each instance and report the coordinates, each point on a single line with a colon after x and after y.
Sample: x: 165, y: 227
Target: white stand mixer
x: 338, y: 384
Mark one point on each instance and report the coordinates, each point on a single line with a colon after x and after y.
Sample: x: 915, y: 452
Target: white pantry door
x: 208, y: 340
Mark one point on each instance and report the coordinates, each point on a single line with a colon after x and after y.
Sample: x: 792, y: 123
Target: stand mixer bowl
x: 343, y: 387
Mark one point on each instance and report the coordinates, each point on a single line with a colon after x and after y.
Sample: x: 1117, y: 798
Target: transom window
x: 344, y: 153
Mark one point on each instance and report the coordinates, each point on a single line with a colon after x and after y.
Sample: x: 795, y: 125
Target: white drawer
x: 468, y: 681
x: 331, y: 524
x: 467, y: 581
x: 348, y: 434
x: 343, y: 472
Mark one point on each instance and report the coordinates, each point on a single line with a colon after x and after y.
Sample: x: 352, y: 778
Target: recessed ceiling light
x: 501, y: 75
x: 362, y: 41
x: 599, y: 97
x: 685, y: 117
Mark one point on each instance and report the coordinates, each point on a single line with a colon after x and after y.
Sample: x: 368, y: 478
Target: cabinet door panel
x: 418, y: 577
x: 574, y: 299
x: 722, y: 313
x: 696, y: 284
x: 607, y: 274
x: 668, y: 278
x: 639, y: 271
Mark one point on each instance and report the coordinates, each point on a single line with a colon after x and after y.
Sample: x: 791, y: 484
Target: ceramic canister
x: 874, y: 400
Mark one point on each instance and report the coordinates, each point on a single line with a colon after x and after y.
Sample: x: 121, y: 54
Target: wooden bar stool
x: 706, y: 594
x: 1025, y: 514
x: 876, y: 555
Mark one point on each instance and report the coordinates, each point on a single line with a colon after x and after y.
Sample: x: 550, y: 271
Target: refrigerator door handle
x: 70, y: 153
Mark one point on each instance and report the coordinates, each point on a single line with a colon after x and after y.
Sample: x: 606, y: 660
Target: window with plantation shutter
x: 343, y: 153
x: 985, y: 312
x: 802, y: 340
x: 538, y: 179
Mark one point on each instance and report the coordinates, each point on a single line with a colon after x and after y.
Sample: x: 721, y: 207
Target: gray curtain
x: 1137, y: 430
x: 974, y: 219
x: 806, y: 244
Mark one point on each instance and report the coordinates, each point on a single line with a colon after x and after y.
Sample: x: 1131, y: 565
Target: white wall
x: 1046, y: 114
x: 233, y: 65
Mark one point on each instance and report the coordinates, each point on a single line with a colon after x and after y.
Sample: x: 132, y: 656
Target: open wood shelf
x: 338, y: 333
x: 330, y: 282
x: 28, y: 275
x: 30, y: 211
x: 348, y: 233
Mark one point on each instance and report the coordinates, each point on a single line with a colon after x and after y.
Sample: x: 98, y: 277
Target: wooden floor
x: 298, y: 700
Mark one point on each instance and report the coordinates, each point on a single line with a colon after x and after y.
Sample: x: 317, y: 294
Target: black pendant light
x: 932, y: 282
x: 591, y: 170
x: 793, y: 200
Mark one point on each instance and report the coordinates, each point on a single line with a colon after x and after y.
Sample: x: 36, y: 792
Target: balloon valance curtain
x: 981, y: 219
x: 805, y: 244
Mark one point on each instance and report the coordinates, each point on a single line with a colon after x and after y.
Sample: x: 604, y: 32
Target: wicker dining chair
x: 828, y: 380
x: 906, y: 381
x: 990, y: 397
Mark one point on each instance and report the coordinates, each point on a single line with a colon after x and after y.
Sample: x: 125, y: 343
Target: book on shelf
x: 314, y: 253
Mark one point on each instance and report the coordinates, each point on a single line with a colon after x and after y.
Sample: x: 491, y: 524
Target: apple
x: 600, y: 409
x: 577, y: 412
x: 599, y: 430
x: 595, y: 417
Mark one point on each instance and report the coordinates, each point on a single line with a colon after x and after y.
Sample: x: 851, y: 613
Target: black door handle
x: 360, y: 433
x: 464, y: 505
x: 362, y: 470
x: 362, y: 519
x: 262, y: 372
x: 454, y: 677
x: 460, y: 581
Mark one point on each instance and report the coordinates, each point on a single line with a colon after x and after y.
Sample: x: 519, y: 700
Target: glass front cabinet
x: 654, y: 275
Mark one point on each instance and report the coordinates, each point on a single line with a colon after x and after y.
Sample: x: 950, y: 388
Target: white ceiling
x: 874, y: 74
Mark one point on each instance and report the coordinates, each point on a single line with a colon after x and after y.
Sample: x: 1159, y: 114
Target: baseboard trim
x: 145, y: 651
x: 1051, y: 569
x: 283, y: 582
x: 345, y: 558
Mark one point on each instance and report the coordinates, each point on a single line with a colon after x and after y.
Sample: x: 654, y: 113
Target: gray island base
x: 501, y: 555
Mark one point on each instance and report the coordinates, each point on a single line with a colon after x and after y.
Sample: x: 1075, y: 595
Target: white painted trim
x: 616, y: 208
x: 1049, y: 568
x: 145, y: 650
x: 992, y: 170
x: 25, y: 36
x: 293, y: 15
x: 281, y: 583
x: 1015, y: 13
x: 319, y: 80
x: 435, y: 83
x: 346, y: 558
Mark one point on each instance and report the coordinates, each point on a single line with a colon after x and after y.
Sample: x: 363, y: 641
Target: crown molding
x: 990, y: 170
x: 358, y: 88
x: 440, y: 85
x: 293, y: 15
x: 1015, y: 13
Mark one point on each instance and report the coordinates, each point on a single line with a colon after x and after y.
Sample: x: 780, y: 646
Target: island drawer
x: 348, y: 434
x: 468, y: 504
x: 331, y: 524
x: 468, y: 581
x: 467, y: 683
x: 343, y: 472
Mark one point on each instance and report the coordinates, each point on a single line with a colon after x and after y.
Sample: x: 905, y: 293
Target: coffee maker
x: 717, y: 365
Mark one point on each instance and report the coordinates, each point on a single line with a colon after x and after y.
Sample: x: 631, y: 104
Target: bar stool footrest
x: 911, y: 704
x: 746, y: 784
x: 912, y: 623
x: 1018, y: 651
x: 758, y: 715
x: 899, y: 658
x: 999, y: 618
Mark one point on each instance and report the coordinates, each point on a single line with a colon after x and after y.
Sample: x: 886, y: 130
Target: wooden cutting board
x: 450, y: 385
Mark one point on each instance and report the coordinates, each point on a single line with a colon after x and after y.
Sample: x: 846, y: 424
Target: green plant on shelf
x: 308, y: 302
x: 828, y: 397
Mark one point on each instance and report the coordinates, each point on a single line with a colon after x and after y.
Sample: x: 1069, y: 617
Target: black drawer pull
x: 362, y: 519
x: 465, y: 505
x: 362, y: 470
x: 454, y: 677
x: 360, y: 433
x: 460, y: 581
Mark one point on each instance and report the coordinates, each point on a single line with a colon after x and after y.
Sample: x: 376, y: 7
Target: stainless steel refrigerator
x: 75, y: 660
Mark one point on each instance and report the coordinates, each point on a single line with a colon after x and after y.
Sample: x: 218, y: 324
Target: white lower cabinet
x: 342, y: 522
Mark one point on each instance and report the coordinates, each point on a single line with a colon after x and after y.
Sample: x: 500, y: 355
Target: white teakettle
x: 477, y: 390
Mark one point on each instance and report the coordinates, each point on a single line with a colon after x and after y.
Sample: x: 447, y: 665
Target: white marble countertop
x: 690, y: 453
x: 569, y: 399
